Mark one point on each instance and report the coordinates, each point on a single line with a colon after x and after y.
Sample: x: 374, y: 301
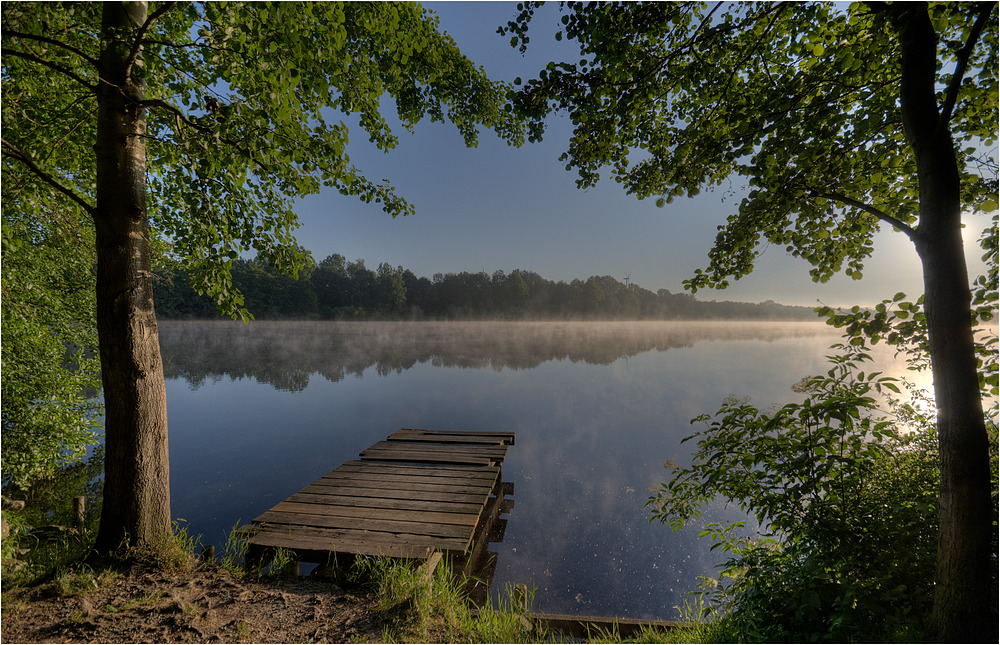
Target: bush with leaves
x: 845, y: 499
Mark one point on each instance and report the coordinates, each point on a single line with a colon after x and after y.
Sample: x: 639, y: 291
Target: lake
x: 258, y: 411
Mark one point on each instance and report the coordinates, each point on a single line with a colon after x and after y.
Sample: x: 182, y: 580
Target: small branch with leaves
x: 11, y: 151
x: 49, y: 64
x: 868, y: 208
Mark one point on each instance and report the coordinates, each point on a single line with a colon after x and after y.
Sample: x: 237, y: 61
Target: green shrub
x: 845, y: 492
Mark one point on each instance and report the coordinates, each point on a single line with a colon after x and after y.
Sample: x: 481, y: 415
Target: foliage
x: 50, y: 376
x: 337, y: 289
x: 844, y: 483
x: 800, y: 99
x: 903, y: 324
x: 846, y: 495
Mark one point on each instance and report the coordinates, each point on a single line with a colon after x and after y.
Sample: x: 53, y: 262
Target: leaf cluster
x: 902, y: 323
x: 802, y: 464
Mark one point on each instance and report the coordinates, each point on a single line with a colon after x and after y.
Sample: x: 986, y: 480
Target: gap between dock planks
x: 417, y: 492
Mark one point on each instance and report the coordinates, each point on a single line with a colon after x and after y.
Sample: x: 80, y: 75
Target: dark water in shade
x: 257, y: 412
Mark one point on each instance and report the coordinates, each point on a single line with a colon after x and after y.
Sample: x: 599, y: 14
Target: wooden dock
x: 417, y: 492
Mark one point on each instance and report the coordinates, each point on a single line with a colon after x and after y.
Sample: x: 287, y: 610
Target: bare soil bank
x: 205, y: 605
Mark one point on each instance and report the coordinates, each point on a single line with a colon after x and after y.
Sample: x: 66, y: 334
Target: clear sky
x: 496, y: 207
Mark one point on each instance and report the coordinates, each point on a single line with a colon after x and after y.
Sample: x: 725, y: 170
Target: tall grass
x: 422, y: 608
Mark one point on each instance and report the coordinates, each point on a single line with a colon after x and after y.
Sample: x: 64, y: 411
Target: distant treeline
x: 336, y: 289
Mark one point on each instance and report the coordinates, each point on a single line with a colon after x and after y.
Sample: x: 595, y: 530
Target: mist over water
x: 258, y: 411
x: 286, y: 354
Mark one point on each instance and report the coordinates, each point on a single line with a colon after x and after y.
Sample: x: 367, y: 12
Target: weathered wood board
x: 418, y: 492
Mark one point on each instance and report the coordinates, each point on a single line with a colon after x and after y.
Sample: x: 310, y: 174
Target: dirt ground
x: 205, y: 605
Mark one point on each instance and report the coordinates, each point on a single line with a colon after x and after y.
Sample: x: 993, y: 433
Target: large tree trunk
x: 965, y: 600
x: 136, y: 510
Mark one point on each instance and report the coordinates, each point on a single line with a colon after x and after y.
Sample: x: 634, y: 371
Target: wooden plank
x: 588, y: 626
x: 388, y: 514
x: 415, y: 505
x: 323, y: 538
x: 304, y: 553
x: 394, y: 494
x: 426, y: 436
x: 507, y: 437
x: 480, y: 486
x: 409, y: 455
x: 319, y: 548
x: 405, y: 480
x: 429, y: 469
x: 333, y: 486
x: 417, y: 491
x: 447, y: 471
x: 302, y: 520
x: 446, y: 449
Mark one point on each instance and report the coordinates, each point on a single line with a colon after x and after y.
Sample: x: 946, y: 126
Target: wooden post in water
x: 79, y: 517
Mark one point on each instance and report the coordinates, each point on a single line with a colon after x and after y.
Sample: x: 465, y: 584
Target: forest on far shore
x: 335, y: 289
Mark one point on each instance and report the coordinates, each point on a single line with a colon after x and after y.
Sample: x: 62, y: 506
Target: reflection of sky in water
x: 591, y: 443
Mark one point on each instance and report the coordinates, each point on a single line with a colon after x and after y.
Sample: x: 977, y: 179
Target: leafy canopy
x: 801, y: 100
x: 248, y: 108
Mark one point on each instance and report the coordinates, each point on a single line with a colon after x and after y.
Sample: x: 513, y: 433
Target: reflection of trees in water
x: 50, y: 501
x: 285, y: 354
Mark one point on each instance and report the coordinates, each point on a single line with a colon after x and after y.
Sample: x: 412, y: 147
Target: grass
x: 79, y: 579
x: 233, y: 558
x: 64, y: 558
x: 416, y: 607
x: 421, y: 608
x: 29, y: 557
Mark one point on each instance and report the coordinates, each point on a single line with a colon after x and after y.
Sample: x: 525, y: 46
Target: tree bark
x: 136, y: 509
x: 965, y: 598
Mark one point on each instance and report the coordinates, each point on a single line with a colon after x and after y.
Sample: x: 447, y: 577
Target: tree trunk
x: 136, y: 510
x: 965, y: 599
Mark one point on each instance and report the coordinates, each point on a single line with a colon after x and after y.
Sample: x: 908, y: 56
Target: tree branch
x: 951, y: 96
x: 41, y: 61
x: 52, y: 41
x: 882, y: 215
x: 164, y: 43
x: 180, y: 116
x: 12, y: 151
x: 137, y: 43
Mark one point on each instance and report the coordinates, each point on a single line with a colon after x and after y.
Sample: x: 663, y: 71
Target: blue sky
x: 496, y: 207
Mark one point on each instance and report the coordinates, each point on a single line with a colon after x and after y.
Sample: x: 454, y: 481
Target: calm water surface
x: 258, y: 411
